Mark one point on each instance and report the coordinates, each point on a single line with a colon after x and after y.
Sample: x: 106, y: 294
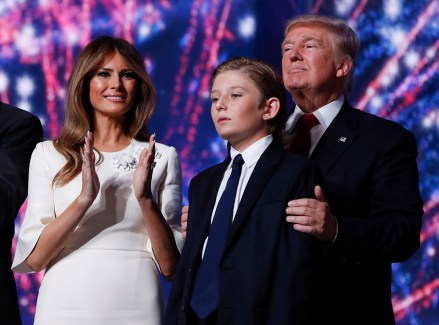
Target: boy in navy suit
x: 242, y: 263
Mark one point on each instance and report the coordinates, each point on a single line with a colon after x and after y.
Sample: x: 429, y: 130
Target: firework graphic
x: 182, y: 41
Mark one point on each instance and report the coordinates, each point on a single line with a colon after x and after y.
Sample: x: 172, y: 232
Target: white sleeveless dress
x: 106, y: 273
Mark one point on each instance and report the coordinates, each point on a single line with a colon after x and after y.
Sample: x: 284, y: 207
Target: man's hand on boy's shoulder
x: 313, y: 216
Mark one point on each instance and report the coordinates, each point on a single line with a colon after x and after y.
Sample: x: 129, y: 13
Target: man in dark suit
x: 371, y: 210
x: 20, y: 131
x: 267, y: 273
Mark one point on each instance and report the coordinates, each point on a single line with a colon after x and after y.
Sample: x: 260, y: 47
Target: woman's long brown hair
x: 79, y: 112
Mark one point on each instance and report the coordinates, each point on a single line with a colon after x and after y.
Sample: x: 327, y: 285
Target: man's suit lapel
x: 337, y: 138
x: 264, y: 168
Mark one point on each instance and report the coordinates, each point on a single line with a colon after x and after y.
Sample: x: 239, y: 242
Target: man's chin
x: 295, y: 89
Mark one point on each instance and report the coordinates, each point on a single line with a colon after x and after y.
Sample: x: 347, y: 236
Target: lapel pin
x: 342, y: 139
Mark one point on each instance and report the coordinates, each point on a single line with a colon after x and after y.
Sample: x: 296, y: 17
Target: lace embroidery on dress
x: 127, y: 161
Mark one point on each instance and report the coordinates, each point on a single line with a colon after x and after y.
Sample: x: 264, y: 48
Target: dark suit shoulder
x: 289, y: 158
x: 10, y: 112
x: 291, y: 163
x: 378, y: 125
x: 13, y: 117
x: 209, y: 173
x: 375, y: 131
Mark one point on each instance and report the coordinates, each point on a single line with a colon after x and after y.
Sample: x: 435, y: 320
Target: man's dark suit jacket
x: 269, y: 273
x: 371, y: 185
x: 20, y: 131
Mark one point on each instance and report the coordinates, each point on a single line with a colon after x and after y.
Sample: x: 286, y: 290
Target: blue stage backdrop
x: 182, y: 41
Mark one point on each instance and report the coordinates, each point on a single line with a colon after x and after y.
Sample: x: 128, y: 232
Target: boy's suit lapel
x: 202, y: 219
x: 262, y: 173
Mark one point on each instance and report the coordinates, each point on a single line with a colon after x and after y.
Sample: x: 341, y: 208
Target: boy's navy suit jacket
x: 269, y: 273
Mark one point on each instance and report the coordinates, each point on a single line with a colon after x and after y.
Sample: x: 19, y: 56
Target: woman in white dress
x: 103, y: 205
